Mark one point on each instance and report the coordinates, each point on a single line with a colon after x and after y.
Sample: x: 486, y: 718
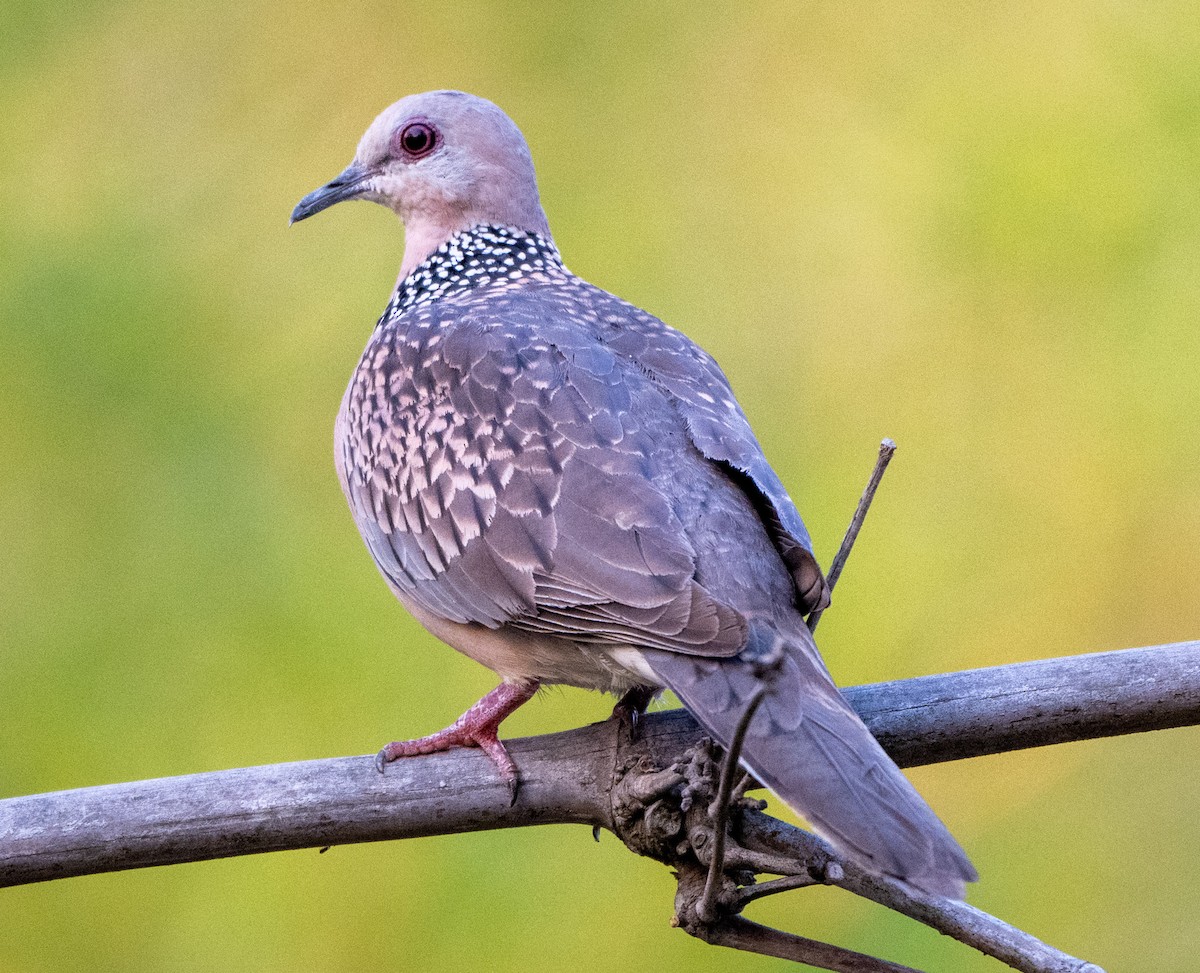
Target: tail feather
x: 807, y: 745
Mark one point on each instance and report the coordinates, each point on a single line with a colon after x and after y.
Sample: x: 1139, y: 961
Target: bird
x: 565, y: 489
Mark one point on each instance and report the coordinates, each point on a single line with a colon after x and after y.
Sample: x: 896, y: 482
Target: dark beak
x: 351, y: 183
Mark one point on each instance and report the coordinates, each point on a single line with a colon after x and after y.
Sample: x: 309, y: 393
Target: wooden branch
x: 958, y: 920
x: 567, y: 776
x: 738, y: 933
x: 975, y: 712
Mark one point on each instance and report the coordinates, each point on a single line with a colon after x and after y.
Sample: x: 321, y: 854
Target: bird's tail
x: 811, y: 749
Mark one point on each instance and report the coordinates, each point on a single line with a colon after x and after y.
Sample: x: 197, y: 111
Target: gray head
x: 443, y: 161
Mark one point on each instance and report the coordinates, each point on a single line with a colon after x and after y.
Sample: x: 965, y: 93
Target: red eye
x: 416, y: 139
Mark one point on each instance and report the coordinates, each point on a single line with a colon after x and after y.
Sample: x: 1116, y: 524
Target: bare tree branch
x: 738, y: 933
x: 335, y: 801
x: 952, y: 918
x: 591, y: 776
x: 975, y: 712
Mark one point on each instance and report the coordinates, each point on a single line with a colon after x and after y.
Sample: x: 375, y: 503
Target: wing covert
x: 720, y: 430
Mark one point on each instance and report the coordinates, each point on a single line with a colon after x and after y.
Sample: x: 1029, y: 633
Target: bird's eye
x: 416, y: 139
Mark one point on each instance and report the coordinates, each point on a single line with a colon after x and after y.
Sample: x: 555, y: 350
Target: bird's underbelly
x: 515, y: 655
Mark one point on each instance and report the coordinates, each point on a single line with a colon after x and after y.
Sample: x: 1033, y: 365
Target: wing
x: 499, y: 478
x: 720, y: 430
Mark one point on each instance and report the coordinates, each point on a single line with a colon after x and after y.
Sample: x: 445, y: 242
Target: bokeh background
x: 975, y: 229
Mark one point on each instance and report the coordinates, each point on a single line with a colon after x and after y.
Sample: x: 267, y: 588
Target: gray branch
x: 572, y: 778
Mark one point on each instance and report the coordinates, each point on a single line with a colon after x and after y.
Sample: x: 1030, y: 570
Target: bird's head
x: 443, y: 161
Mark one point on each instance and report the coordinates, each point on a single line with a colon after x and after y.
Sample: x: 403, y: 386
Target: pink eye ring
x: 416, y: 140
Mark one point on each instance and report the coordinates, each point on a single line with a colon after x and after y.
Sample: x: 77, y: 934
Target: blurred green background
x: 974, y: 229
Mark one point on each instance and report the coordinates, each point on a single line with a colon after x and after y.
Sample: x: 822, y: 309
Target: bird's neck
x: 424, y: 236
x: 474, y: 257
x: 420, y: 240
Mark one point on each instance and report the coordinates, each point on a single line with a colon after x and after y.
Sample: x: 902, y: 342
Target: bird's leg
x: 477, y: 727
x: 632, y: 705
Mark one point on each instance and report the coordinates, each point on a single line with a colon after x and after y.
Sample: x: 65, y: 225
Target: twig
x: 886, y: 449
x: 737, y: 932
x: 786, y: 884
x: 746, y: 783
x: 706, y: 908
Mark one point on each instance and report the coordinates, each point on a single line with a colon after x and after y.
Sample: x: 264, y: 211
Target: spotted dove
x: 565, y: 489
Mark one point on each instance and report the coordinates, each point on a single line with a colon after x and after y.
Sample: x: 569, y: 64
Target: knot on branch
x: 646, y: 809
x: 672, y: 814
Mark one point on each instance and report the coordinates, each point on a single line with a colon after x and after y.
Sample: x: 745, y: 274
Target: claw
x: 631, y: 708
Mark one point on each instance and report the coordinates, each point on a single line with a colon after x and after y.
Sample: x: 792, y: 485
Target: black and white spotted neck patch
x: 472, y: 258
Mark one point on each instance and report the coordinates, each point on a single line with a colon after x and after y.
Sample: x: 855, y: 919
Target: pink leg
x: 477, y: 727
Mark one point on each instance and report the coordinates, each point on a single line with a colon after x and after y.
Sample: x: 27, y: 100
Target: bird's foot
x: 477, y: 727
x: 631, y: 708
